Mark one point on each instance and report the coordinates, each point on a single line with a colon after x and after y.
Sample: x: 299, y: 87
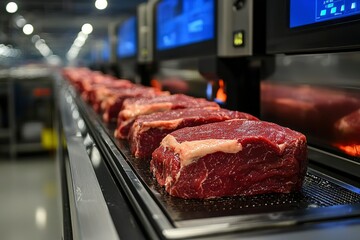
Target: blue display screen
x: 106, y: 50
x: 305, y: 12
x: 184, y: 22
x: 127, y: 38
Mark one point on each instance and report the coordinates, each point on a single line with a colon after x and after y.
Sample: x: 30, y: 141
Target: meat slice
x: 96, y: 90
x: 132, y: 108
x: 100, y: 92
x: 148, y: 130
x: 113, y: 104
x: 312, y: 110
x: 235, y: 157
x: 347, y: 129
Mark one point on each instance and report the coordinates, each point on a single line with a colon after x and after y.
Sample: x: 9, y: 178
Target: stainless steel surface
x: 345, y: 229
x: 142, y: 32
x: 337, y: 162
x: 230, y: 21
x: 145, y: 31
x: 89, y: 214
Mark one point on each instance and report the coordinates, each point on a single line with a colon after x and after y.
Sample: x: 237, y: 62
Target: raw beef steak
x: 312, y: 110
x: 113, y: 104
x: 235, y: 157
x: 144, y: 106
x: 100, y: 93
x: 148, y: 130
x: 348, y: 128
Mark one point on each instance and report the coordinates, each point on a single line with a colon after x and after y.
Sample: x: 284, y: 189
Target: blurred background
x: 37, y: 36
x: 43, y: 31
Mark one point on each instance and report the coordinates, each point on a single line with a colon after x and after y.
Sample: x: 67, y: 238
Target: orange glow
x: 41, y: 92
x: 352, y: 150
x: 220, y: 94
x: 155, y: 84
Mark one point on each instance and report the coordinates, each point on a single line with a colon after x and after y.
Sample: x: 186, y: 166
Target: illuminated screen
x: 127, y: 39
x: 184, y: 22
x: 305, y: 12
x: 106, y: 50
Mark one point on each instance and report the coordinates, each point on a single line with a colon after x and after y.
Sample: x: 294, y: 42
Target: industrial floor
x: 29, y: 207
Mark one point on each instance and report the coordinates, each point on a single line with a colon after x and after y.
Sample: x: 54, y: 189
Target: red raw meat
x: 144, y: 106
x: 348, y: 128
x: 235, y: 157
x: 113, y: 104
x: 97, y: 91
x: 312, y: 110
x: 148, y: 130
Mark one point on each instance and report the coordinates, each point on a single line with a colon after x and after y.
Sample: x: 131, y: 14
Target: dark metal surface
x: 316, y: 192
x: 336, y: 35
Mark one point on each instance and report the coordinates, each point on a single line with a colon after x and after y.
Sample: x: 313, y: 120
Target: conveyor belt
x: 316, y: 192
x: 321, y: 198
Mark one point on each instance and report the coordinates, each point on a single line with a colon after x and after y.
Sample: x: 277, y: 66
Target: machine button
x: 238, y: 39
x: 238, y: 4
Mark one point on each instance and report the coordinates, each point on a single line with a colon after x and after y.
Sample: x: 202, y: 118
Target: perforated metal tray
x: 316, y: 192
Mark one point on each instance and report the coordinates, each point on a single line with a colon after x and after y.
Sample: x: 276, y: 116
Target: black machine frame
x: 330, y: 36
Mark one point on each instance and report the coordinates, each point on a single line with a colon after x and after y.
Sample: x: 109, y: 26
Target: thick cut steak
x: 312, y: 110
x: 148, y: 130
x: 96, y: 90
x: 132, y: 108
x: 100, y: 93
x: 235, y: 157
x: 112, y: 105
x: 348, y: 128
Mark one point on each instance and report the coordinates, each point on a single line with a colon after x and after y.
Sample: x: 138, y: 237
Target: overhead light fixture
x: 79, y: 42
x: 54, y: 60
x: 11, y: 7
x: 9, y: 51
x: 101, y: 4
x: 87, y: 28
x: 28, y: 29
x: 35, y: 38
x: 20, y: 21
x: 81, y: 36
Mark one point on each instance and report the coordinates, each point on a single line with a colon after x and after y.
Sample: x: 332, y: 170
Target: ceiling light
x: 28, y: 29
x: 20, y: 21
x: 35, y: 38
x: 11, y: 7
x: 101, y: 4
x: 54, y: 60
x: 78, y: 42
x: 82, y: 37
x: 87, y: 28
